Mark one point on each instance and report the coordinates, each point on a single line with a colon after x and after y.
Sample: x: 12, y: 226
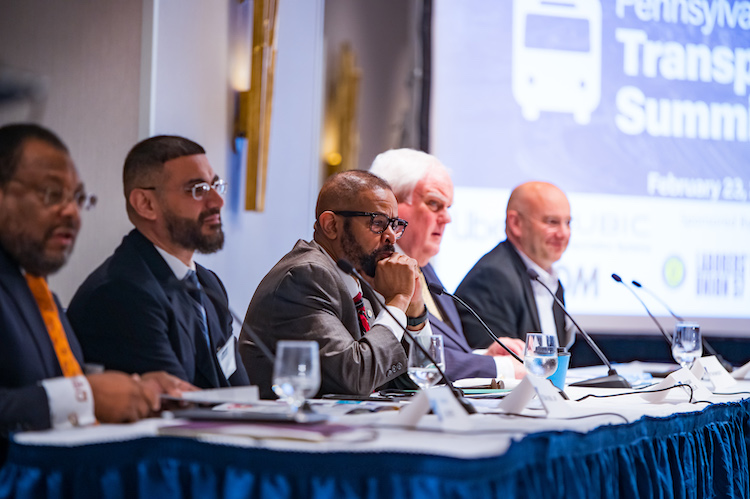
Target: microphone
x: 347, y: 267
x: 664, y: 333
x: 612, y: 380
x: 439, y: 290
x: 729, y: 367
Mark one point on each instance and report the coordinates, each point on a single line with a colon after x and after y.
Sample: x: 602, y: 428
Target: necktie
x: 429, y: 301
x: 196, y: 293
x: 364, y: 325
x: 51, y: 316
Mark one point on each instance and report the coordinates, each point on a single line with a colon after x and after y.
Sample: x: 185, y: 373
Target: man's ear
x: 144, y: 203
x: 329, y: 225
x: 513, y: 222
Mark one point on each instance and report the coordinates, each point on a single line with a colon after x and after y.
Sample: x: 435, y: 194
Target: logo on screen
x: 674, y: 271
x: 721, y: 275
x: 557, y: 57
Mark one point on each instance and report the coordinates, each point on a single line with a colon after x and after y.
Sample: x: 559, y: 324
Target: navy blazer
x: 499, y: 290
x: 460, y: 362
x: 131, y: 314
x: 26, y: 353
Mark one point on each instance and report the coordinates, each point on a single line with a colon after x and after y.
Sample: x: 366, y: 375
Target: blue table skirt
x: 702, y: 454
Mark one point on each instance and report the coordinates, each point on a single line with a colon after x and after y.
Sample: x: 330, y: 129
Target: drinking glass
x: 421, y: 369
x: 540, y: 354
x: 296, y: 372
x: 686, y: 343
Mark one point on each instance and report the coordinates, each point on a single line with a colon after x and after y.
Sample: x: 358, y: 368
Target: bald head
x: 343, y: 191
x: 538, y: 222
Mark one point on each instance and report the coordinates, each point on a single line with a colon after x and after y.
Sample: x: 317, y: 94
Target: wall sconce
x: 253, y: 116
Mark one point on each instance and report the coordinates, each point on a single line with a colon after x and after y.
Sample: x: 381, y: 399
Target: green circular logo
x: 674, y: 271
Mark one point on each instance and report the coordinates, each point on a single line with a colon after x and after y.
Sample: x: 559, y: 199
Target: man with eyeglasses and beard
x: 306, y: 296
x: 43, y: 378
x: 150, y: 306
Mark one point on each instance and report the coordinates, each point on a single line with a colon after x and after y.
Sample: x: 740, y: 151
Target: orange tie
x: 50, y: 314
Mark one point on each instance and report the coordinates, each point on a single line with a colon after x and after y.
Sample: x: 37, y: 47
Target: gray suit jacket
x: 305, y: 298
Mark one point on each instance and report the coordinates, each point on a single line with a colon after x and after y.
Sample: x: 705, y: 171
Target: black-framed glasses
x: 55, y: 196
x: 201, y: 189
x: 378, y: 221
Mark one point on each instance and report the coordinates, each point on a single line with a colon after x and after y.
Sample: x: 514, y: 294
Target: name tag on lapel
x: 227, y: 359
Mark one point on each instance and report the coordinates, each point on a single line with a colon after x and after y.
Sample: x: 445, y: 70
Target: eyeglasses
x: 55, y: 196
x: 378, y: 221
x: 201, y: 189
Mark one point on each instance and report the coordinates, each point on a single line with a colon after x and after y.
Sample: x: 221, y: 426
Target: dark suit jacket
x: 26, y: 354
x: 460, y: 362
x: 305, y: 298
x: 133, y: 315
x: 499, y: 290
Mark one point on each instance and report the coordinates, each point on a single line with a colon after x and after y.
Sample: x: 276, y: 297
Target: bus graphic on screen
x: 557, y: 57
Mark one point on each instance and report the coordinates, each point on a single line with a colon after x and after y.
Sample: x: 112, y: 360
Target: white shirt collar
x: 549, y: 278
x: 179, y: 269
x: 352, y: 284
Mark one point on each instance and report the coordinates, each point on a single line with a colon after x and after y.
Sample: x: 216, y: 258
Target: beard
x: 30, y: 254
x: 353, y: 251
x: 188, y: 233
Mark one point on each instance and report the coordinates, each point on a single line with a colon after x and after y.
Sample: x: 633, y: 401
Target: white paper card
x: 719, y: 376
x: 418, y: 406
x: 552, y: 402
x: 448, y: 410
x: 227, y: 359
x: 515, y: 402
x: 681, y: 376
x: 741, y: 372
x: 550, y: 397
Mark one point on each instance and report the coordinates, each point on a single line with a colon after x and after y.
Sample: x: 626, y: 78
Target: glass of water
x: 296, y: 372
x: 540, y: 354
x: 421, y: 369
x: 686, y: 343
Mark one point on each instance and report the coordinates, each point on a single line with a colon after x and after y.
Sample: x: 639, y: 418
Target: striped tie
x: 196, y: 293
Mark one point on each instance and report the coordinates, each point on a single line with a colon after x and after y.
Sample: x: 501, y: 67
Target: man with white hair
x: 424, y: 192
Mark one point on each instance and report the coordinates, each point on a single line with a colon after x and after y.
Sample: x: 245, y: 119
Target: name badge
x: 226, y: 357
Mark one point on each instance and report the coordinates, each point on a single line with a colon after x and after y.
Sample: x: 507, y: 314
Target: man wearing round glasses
x: 150, y: 306
x: 307, y: 297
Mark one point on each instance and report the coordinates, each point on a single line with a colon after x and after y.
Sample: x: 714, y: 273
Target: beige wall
x: 88, y: 52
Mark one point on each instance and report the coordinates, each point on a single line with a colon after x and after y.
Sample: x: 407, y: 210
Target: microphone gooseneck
x: 706, y: 345
x: 640, y: 286
x: 612, y: 380
x: 617, y: 278
x: 347, y: 267
x: 439, y: 290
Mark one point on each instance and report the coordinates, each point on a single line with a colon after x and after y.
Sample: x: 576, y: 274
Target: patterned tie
x: 51, y: 316
x: 196, y: 293
x: 359, y: 303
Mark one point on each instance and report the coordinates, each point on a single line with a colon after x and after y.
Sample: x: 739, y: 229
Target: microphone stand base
x: 611, y: 381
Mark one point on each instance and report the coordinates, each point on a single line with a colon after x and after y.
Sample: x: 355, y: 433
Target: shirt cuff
x: 396, y: 326
x: 71, y: 401
x: 504, y: 365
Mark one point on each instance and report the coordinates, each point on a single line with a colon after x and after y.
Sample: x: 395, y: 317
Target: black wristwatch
x: 418, y: 320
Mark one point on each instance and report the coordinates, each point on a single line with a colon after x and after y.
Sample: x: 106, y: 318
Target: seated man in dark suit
x: 150, y: 306
x: 424, y: 191
x: 42, y: 383
x: 537, y: 224
x: 307, y: 297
